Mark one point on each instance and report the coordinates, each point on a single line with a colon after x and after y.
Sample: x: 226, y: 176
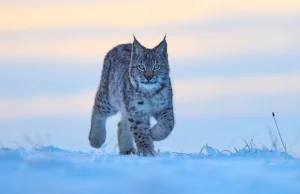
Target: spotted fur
x: 134, y: 81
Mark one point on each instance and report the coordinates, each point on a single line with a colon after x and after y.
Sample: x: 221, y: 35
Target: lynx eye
x: 156, y: 67
x: 141, y: 67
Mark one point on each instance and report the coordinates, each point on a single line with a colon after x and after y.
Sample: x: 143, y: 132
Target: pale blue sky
x: 230, y: 66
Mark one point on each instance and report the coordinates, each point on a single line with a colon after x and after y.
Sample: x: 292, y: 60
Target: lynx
x: 135, y: 81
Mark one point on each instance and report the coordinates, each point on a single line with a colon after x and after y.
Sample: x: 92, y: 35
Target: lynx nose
x: 149, y: 76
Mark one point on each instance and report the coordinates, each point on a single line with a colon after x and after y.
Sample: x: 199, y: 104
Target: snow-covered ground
x: 55, y: 171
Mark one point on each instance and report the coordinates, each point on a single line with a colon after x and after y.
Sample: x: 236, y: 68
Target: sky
x: 232, y: 64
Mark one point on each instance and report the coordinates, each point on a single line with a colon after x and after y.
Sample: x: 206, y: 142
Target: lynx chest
x: 153, y: 105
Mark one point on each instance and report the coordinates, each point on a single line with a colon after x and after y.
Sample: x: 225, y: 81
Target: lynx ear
x: 162, y: 47
x: 136, y: 46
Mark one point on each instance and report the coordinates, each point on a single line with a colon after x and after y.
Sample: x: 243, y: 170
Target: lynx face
x: 149, y: 67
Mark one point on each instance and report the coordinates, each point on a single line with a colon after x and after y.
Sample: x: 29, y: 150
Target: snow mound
x: 50, y: 169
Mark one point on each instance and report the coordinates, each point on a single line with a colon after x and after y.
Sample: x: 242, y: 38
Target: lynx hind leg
x: 125, y: 139
x: 101, y: 110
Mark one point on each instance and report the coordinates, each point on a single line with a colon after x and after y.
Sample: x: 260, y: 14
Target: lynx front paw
x: 95, y: 142
x: 128, y: 152
x: 146, y: 152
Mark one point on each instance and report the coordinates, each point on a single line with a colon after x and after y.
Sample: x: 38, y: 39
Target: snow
x: 53, y: 170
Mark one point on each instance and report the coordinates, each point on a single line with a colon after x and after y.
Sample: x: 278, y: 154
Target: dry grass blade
x: 279, y: 132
